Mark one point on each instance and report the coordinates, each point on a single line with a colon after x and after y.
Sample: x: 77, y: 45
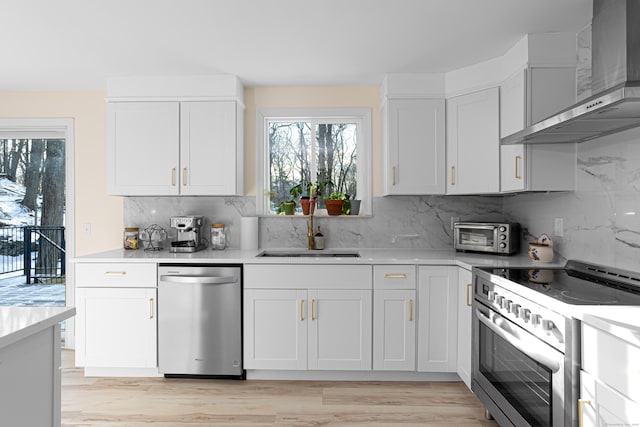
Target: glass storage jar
x: 131, y: 238
x: 218, y: 236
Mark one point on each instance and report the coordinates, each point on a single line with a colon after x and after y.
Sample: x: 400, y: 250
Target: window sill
x: 315, y: 216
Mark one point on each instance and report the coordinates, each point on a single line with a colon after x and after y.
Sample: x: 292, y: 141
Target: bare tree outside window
x: 311, y: 151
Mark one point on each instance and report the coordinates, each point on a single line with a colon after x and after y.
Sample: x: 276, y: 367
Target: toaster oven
x: 501, y: 238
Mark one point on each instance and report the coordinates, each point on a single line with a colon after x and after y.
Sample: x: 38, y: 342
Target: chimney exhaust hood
x: 616, y: 81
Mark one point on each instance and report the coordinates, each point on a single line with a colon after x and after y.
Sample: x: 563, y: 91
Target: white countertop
x: 367, y: 256
x: 17, y: 323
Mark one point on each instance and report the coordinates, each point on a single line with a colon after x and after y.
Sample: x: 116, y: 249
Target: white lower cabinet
x: 116, y: 322
x: 394, y: 317
x: 437, y: 318
x: 610, y: 378
x: 465, y: 299
x: 317, y: 328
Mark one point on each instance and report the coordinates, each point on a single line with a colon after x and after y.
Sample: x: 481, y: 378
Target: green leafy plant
x: 336, y: 195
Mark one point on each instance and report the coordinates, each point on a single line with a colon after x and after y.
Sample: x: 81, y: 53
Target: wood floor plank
x: 137, y: 402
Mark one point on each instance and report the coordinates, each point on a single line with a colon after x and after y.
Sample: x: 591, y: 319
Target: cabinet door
x: 415, y: 146
x: 603, y: 406
x: 340, y: 329
x: 465, y: 298
x: 437, y: 319
x: 142, y: 148
x: 116, y: 327
x: 512, y: 168
x: 275, y: 329
x: 394, y: 338
x: 513, y: 111
x: 208, y: 148
x: 473, y: 143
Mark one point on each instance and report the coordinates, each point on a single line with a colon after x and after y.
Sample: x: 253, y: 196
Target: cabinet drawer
x: 612, y: 360
x: 394, y: 277
x: 91, y: 275
x: 306, y: 276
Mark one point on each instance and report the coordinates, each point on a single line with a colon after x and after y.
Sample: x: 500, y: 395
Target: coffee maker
x: 189, y: 236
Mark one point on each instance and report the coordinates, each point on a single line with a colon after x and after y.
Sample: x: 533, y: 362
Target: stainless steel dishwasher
x: 200, y: 321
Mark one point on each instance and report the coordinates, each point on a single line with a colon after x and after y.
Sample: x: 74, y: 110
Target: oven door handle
x: 532, y: 349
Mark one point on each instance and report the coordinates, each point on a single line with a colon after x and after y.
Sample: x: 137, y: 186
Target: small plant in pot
x: 351, y: 205
x: 334, y: 202
x: 288, y: 207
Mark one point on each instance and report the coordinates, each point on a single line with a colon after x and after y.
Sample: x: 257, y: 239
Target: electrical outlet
x: 454, y: 219
x: 86, y: 229
x: 558, y: 227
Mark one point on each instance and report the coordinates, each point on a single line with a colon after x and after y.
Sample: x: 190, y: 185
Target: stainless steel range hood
x: 615, y: 69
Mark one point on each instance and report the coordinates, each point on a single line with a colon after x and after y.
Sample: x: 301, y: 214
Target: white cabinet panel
x: 340, y: 329
x: 414, y: 146
x: 473, y: 143
x: 465, y: 299
x: 437, y: 319
x: 142, y: 148
x: 394, y: 330
x: 105, y: 275
x: 275, y: 329
x: 116, y: 328
x: 603, y: 406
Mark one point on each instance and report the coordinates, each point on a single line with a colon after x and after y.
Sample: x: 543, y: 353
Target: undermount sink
x: 309, y: 254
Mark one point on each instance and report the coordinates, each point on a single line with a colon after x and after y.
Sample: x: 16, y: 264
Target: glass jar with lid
x: 131, y: 238
x: 218, y: 236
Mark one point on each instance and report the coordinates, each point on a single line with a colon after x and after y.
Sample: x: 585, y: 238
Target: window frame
x: 362, y: 117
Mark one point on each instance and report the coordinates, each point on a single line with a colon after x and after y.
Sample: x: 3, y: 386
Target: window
x: 329, y: 147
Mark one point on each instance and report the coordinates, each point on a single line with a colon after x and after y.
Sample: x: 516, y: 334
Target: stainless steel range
x: 526, y: 342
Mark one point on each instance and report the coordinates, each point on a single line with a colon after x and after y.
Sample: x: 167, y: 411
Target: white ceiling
x: 77, y: 44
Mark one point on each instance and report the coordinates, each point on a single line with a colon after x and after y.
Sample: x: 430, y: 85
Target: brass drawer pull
x: 393, y: 175
x: 173, y: 177
x: 395, y: 276
x: 301, y: 310
x: 518, y: 158
x: 453, y: 181
x: 581, y: 403
x: 115, y: 273
x: 313, y: 309
x: 184, y: 177
x: 150, y: 308
x: 469, y: 285
x: 410, y: 310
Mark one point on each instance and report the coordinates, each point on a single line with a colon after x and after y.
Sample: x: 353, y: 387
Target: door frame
x: 53, y: 128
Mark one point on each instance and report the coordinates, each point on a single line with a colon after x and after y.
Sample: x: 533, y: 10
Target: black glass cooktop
x: 572, y: 286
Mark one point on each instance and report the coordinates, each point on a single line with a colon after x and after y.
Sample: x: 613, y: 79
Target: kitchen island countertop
x: 17, y: 323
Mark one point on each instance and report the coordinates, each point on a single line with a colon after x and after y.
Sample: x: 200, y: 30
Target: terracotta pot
x: 306, y: 203
x: 334, y: 207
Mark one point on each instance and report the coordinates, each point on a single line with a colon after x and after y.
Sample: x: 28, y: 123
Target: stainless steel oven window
x: 477, y: 237
x: 525, y: 383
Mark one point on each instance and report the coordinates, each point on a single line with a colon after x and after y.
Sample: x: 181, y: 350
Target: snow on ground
x: 11, y: 211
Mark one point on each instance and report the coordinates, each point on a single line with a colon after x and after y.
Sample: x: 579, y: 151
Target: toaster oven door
x: 481, y: 238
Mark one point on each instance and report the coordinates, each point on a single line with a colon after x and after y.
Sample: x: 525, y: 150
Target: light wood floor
x: 124, y: 402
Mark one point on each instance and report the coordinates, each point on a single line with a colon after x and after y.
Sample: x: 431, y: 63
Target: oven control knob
x: 535, y: 319
x: 524, y: 314
x: 502, y: 228
x: 491, y: 295
x: 503, y: 245
x: 506, y: 304
x: 547, y: 325
x: 499, y: 300
x: 503, y: 237
x: 515, y: 309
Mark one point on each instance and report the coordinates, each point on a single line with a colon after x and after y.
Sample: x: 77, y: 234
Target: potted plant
x: 334, y: 202
x: 352, y: 205
x: 289, y: 206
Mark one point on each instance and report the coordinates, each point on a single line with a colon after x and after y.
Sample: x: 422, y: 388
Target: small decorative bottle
x: 218, y: 237
x: 318, y: 239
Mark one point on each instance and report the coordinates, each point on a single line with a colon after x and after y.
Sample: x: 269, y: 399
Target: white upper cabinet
x: 143, y: 151
x: 175, y: 136
x: 526, y: 98
x: 473, y: 143
x: 414, y: 145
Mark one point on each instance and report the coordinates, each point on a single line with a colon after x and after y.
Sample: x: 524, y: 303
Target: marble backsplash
x: 397, y: 222
x: 602, y: 217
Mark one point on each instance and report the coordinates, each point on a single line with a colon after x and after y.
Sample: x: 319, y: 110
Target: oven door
x: 518, y: 377
x: 475, y: 237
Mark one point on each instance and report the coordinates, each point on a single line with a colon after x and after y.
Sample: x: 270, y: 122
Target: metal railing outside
x: 37, y: 251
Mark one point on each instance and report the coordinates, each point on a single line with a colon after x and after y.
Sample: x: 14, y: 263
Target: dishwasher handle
x: 203, y: 280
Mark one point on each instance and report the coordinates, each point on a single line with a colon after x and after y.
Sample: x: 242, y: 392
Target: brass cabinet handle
x: 301, y: 310
x: 115, y: 273
x: 410, y: 310
x: 150, y: 308
x: 453, y: 182
x: 313, y: 309
x: 581, y: 403
x: 184, y: 177
x: 518, y: 158
x: 469, y: 285
x: 393, y: 175
x: 395, y: 276
x: 173, y: 177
